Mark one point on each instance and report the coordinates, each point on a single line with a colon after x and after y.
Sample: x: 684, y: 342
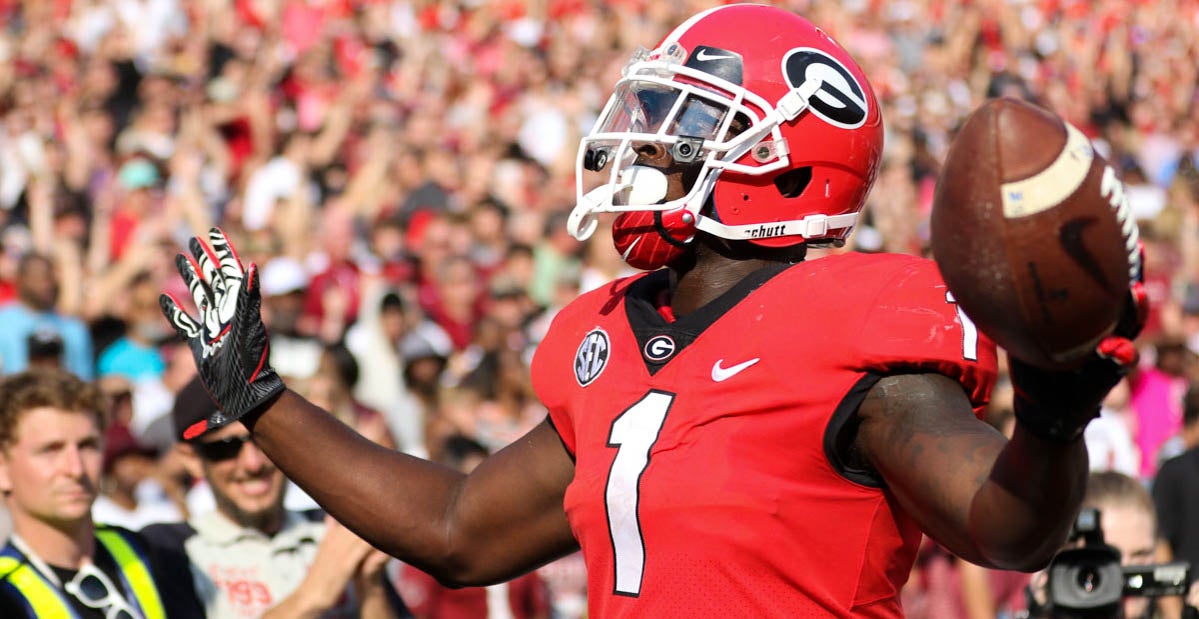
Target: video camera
x: 1088, y: 582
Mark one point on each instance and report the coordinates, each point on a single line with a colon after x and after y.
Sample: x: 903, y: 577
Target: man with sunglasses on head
x: 252, y: 557
x: 58, y: 563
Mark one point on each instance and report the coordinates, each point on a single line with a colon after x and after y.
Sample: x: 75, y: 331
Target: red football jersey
x: 706, y: 483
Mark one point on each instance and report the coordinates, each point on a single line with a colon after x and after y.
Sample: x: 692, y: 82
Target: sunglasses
x: 93, y: 588
x: 224, y: 449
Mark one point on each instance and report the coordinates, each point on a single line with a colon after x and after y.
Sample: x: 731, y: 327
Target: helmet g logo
x: 592, y: 356
x: 841, y: 100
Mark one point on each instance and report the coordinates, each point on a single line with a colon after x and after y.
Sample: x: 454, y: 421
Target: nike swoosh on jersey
x: 704, y: 56
x: 722, y: 373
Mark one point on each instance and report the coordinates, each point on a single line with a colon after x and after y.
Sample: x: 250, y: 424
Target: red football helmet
x: 781, y: 122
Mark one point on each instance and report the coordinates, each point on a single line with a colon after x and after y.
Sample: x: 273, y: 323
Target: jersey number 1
x: 634, y: 433
x: 969, y: 331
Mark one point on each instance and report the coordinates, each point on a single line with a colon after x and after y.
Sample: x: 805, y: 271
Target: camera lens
x: 595, y: 159
x: 1085, y: 579
x: 686, y: 150
x: 1089, y: 580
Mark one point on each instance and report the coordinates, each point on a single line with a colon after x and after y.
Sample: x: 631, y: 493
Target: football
x: 1032, y: 233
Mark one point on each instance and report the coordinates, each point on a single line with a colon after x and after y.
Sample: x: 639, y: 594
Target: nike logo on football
x: 722, y: 373
x: 1070, y: 237
x: 704, y: 56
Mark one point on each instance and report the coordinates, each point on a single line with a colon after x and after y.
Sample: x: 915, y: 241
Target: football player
x: 740, y: 430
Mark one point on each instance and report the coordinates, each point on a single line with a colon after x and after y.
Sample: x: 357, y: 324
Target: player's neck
x: 710, y: 276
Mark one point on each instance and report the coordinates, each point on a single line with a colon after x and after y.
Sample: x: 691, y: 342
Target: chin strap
x: 810, y: 227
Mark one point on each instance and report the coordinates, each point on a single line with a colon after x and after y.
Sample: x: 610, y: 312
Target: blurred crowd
x: 400, y: 171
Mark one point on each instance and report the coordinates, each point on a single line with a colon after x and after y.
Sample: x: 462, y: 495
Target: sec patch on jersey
x: 1033, y: 234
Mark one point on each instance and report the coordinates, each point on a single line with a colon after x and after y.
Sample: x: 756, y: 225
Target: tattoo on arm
x: 921, y: 415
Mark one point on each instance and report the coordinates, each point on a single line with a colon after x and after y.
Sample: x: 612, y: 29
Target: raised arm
x: 994, y: 502
x: 502, y: 520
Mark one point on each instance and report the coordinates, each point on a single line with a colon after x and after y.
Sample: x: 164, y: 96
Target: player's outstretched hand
x: 227, y: 339
x: 1057, y: 405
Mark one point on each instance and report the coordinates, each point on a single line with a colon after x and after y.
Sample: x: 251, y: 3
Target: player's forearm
x: 1023, y: 512
x: 990, y: 501
x: 487, y: 528
x: 396, y: 502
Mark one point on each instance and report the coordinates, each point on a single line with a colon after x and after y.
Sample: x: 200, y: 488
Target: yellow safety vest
x: 47, y: 600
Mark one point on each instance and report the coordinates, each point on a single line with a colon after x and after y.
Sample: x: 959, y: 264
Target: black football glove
x: 229, y: 340
x: 1058, y: 405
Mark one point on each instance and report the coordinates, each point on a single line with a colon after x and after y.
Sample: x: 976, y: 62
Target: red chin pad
x: 650, y: 240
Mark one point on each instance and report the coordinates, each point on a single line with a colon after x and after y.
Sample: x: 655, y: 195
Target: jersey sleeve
x: 914, y: 325
x: 575, y: 352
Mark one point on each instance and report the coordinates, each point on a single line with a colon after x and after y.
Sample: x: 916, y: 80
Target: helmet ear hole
x: 792, y: 183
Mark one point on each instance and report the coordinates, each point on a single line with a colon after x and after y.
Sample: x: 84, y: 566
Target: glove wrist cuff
x: 1052, y: 425
x: 242, y: 400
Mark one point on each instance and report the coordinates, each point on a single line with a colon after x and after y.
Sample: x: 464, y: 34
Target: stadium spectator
x: 1109, y: 438
x: 1156, y: 397
x: 1128, y: 521
x: 375, y: 340
x: 524, y: 597
x: 34, y: 312
x: 285, y: 282
x: 130, y: 495
x: 58, y: 562
x: 253, y: 557
x: 333, y: 386
x: 454, y: 300
x: 135, y: 355
x: 425, y: 354
x: 1176, y: 490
